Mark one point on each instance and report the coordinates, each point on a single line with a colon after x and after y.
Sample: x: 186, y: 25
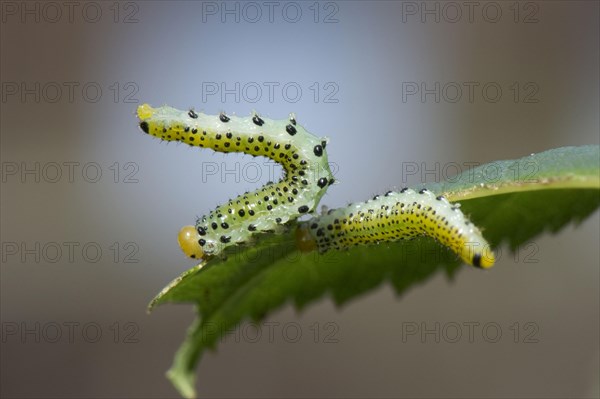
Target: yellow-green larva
x: 302, y: 156
x: 397, y: 216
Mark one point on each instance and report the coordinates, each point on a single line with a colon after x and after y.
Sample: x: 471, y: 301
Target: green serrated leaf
x: 512, y: 201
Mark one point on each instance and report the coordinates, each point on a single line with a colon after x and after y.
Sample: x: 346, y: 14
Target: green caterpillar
x: 394, y: 216
x: 302, y: 155
x: 397, y: 216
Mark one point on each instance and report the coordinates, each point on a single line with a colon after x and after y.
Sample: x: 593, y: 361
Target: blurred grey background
x: 406, y: 91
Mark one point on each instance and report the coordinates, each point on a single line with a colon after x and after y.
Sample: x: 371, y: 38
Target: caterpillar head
x: 189, y: 241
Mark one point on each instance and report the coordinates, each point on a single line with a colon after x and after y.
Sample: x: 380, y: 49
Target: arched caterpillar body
x: 302, y: 155
x: 397, y: 216
x: 394, y: 216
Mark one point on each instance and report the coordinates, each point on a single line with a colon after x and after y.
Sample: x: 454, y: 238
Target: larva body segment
x: 397, y: 216
x: 302, y: 155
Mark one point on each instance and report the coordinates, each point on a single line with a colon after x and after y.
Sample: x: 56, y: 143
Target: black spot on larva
x: 404, y: 190
x: 228, y: 135
x: 144, y: 126
x: 224, y: 225
x: 202, y: 241
x: 226, y: 144
x: 194, y: 130
x: 201, y: 230
x: 314, y: 226
x: 290, y: 129
x: 277, y: 146
x: 477, y: 260
x: 323, y: 143
x: 214, y: 225
x: 192, y: 114
x: 303, y: 209
x: 241, y: 213
x: 318, y: 150
x: 257, y: 121
x: 218, y: 136
x: 375, y: 198
x: 269, y: 207
x: 251, y: 227
x: 439, y: 197
x: 186, y: 129
x: 164, y: 129
x: 288, y: 146
x: 261, y: 139
x: 224, y: 118
x: 193, y: 256
x: 388, y: 193
x: 250, y: 139
x: 277, y: 220
x: 322, y: 182
x: 331, y: 181
x: 251, y: 212
x: 293, y: 120
x: 225, y: 239
x: 423, y: 191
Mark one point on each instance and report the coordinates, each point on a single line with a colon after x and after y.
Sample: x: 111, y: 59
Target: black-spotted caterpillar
x: 394, y: 216
x: 397, y: 216
x: 302, y: 155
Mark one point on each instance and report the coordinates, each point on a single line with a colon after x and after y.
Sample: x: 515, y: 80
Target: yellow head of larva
x: 188, y: 241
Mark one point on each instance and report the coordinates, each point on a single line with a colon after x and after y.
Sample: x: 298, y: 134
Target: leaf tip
x: 183, y: 382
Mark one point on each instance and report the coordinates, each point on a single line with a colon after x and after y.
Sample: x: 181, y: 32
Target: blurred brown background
x: 90, y: 207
